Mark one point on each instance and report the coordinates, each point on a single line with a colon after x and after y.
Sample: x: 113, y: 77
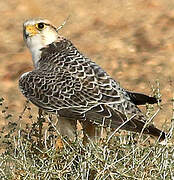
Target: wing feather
x: 73, y: 86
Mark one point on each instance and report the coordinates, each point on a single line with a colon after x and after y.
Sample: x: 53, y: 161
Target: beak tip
x: 25, y: 34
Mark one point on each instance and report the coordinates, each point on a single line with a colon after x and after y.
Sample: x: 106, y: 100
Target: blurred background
x: 132, y: 40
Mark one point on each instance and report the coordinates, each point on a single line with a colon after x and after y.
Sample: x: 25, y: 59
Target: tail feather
x: 141, y: 99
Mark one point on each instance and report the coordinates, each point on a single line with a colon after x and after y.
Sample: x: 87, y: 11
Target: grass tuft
x: 32, y: 152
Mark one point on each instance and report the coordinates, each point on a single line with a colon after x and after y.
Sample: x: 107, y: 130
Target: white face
x: 38, y: 33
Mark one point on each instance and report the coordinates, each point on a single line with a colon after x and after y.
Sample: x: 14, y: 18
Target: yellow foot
x: 59, y: 143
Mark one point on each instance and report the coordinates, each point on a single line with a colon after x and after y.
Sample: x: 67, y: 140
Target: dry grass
x: 35, y: 152
x: 132, y: 40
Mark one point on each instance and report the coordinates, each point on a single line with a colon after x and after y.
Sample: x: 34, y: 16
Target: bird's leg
x: 67, y: 127
x: 89, y: 131
x: 92, y: 132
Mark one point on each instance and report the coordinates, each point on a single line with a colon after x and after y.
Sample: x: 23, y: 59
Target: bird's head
x: 38, y: 33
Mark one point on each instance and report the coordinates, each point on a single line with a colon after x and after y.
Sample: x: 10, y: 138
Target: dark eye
x: 40, y: 25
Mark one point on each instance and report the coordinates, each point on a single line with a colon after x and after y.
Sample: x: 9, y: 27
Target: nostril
x: 29, y: 28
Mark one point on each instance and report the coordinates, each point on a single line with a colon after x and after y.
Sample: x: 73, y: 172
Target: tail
x: 141, y: 99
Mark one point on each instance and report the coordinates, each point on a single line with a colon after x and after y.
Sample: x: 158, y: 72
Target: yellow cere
x: 32, y: 30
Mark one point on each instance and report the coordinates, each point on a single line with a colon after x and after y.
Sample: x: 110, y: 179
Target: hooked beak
x: 29, y: 31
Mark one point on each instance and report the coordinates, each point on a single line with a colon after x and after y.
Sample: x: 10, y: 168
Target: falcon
x: 67, y: 83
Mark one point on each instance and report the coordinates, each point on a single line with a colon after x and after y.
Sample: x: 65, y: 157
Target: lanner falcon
x: 67, y: 83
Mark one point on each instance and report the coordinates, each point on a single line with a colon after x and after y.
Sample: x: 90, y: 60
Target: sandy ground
x: 133, y: 40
